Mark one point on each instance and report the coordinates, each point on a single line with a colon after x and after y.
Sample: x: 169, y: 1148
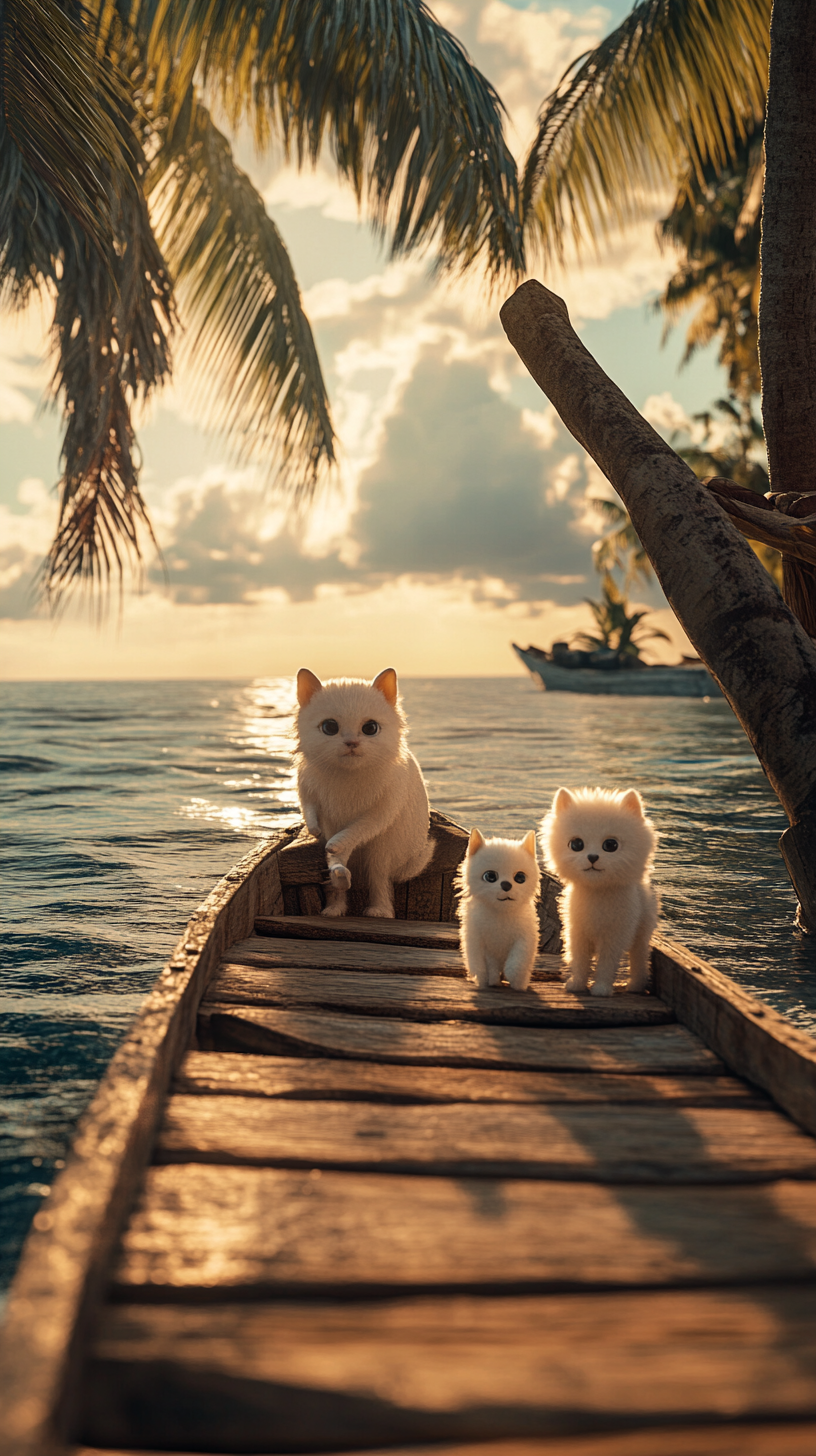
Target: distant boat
x: 604, y: 674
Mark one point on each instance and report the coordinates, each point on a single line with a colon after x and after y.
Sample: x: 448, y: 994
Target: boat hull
x: 648, y: 682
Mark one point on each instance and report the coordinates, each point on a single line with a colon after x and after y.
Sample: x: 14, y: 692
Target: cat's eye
x: 330, y: 726
x: 491, y: 876
x: 520, y: 877
x: 610, y: 845
x: 371, y: 728
x: 576, y: 844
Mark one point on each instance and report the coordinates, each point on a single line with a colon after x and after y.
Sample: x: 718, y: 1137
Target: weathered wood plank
x: 766, y: 1438
x: 310, y: 900
x: 64, y: 1263
x: 220, y: 1230
x: 598, y: 1144
x: 290, y: 1377
x: 749, y: 1035
x: 433, y: 935
x: 261, y: 950
x: 643, y: 1049
x: 242, y: 1074
x: 429, y: 998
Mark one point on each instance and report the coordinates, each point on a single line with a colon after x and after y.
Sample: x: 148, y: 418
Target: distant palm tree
x: 120, y: 199
x: 618, y: 629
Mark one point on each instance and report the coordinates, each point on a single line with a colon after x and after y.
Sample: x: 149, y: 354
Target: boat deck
x: 385, y: 1209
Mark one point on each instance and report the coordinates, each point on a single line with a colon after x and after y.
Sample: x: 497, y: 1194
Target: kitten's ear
x: 528, y: 843
x: 307, y: 686
x: 563, y: 800
x: 475, y: 842
x: 632, y: 803
x: 386, y: 683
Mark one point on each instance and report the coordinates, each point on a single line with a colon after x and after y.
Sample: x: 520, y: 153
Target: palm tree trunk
x: 749, y: 640
x: 787, y: 300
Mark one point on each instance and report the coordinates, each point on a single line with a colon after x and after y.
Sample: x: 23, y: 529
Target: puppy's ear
x: 563, y: 800
x: 386, y: 683
x: 475, y: 842
x: 528, y: 843
x: 632, y: 803
x: 307, y: 686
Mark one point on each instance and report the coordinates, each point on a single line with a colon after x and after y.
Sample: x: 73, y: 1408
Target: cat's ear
x: 386, y: 683
x: 475, y: 842
x: 632, y: 803
x: 528, y: 843
x: 307, y: 686
x: 563, y: 800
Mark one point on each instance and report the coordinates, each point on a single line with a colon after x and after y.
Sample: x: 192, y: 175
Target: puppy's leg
x: 580, y: 960
x: 518, y: 968
x: 610, y: 955
x: 639, y: 959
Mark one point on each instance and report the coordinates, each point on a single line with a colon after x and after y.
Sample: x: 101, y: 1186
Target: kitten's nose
x: 593, y: 857
x: 355, y: 743
x: 505, y: 884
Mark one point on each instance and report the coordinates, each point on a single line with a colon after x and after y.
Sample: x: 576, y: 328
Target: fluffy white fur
x: 600, y: 844
x: 498, y: 883
x: 360, y: 789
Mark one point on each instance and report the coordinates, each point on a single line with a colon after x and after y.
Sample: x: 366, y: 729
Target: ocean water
x: 123, y: 803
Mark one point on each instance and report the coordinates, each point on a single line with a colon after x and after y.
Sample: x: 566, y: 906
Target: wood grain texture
x: 215, y: 1231
x: 64, y: 1262
x: 410, y: 960
x: 597, y: 1144
x: 429, y: 998
x: 460, y: 1368
x: 245, y: 1075
x: 641, y: 1049
x: 754, y: 1040
x: 433, y: 935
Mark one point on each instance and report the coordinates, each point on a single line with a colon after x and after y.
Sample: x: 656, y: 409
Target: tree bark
x: 787, y: 300
x: 748, y: 638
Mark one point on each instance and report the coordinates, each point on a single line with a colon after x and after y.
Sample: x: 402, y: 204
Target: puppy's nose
x: 505, y: 884
x: 593, y: 857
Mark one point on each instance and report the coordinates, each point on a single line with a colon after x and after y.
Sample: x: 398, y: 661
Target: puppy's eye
x: 520, y: 877
x: 330, y: 726
x: 610, y: 845
x: 576, y: 844
x: 491, y: 876
x: 371, y: 728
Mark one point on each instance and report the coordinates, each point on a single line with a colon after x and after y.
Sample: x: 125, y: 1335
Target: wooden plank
x: 768, y: 1438
x: 245, y: 1075
x: 310, y: 900
x: 303, y: 861
x: 433, y: 935
x: 408, y: 960
x: 596, y: 1144
x: 64, y: 1263
x: 642, y: 1049
x: 433, y: 1370
x: 216, y: 1231
x: 754, y: 1040
x: 430, y: 998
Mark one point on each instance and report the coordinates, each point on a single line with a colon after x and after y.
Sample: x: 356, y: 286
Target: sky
x: 458, y: 520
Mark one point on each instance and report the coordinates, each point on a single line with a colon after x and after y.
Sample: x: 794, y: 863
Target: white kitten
x: 498, y: 882
x: 600, y: 844
x: 359, y: 787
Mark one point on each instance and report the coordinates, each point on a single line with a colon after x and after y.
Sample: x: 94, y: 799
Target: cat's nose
x: 593, y: 857
x: 505, y: 884
x: 355, y: 743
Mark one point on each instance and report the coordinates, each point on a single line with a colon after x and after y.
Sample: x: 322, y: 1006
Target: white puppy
x: 498, y: 882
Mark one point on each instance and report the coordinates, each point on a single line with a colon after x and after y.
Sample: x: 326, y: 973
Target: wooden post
x: 748, y: 639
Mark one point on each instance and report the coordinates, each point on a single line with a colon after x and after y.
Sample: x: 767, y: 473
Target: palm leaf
x: 250, y: 343
x: 414, y: 127
x: 679, y: 80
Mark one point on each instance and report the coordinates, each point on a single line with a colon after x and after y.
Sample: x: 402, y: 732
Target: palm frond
x: 678, y: 80
x: 413, y: 126
x: 250, y: 344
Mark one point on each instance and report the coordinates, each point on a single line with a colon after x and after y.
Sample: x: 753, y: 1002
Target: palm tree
x: 618, y: 630
x: 121, y: 199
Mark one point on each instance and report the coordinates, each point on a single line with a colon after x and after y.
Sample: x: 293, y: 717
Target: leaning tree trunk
x: 749, y: 640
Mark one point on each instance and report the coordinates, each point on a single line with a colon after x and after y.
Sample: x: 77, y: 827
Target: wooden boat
x: 686, y: 681
x: 331, y: 1197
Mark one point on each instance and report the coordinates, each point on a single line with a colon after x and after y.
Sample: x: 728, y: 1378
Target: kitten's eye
x: 491, y: 876
x: 610, y: 845
x: 576, y: 844
x: 520, y: 877
x: 330, y: 726
x: 371, y: 728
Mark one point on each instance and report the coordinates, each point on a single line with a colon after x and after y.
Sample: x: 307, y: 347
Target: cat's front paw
x: 381, y: 912
x: 335, y: 907
x: 602, y: 988
x: 340, y: 877
x: 576, y: 984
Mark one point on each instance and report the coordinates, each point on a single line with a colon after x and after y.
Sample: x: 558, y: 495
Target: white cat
x: 498, y: 883
x: 359, y: 787
x: 600, y: 844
